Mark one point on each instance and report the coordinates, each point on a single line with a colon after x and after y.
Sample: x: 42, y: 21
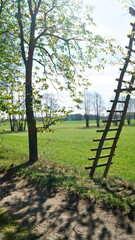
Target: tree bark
x: 98, y: 125
x: 128, y: 121
x: 11, y: 124
x: 32, y: 130
x: 87, y: 120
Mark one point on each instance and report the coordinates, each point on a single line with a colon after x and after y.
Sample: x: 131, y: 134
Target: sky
x: 112, y: 20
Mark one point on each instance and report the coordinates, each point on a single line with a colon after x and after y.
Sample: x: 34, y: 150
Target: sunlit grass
x: 70, y: 144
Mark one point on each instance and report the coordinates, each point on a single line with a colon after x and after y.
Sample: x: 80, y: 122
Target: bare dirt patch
x: 60, y: 215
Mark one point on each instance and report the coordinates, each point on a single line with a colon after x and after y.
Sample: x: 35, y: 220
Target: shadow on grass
x: 121, y: 192
x: 12, y: 132
x: 56, y: 215
x: 14, y: 169
x: 11, y: 230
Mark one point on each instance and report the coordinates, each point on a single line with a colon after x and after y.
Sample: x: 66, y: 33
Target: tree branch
x: 4, y: 32
x: 1, y: 6
x: 21, y: 34
x: 38, y: 6
x: 38, y: 62
x: 53, y: 6
x: 30, y: 7
x: 42, y: 48
x: 40, y: 35
x: 58, y: 37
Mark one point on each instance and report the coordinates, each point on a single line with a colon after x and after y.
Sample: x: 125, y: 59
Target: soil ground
x: 60, y: 216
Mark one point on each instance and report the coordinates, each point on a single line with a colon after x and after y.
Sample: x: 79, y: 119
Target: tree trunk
x: 28, y: 61
x: 32, y: 130
x: 98, y: 125
x: 128, y: 120
x: 116, y: 123
x: 24, y: 125
x: 11, y: 124
x: 87, y: 120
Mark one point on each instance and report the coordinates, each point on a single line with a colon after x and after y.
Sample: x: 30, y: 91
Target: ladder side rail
x: 127, y: 59
x: 119, y: 130
x: 112, y: 110
x: 103, y: 137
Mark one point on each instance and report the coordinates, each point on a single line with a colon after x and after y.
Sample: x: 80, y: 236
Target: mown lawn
x: 70, y: 144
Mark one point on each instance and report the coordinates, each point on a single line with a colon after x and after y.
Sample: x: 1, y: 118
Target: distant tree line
x: 81, y: 117
x: 94, y: 108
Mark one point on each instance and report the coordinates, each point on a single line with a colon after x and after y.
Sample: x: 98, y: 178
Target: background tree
x: 133, y: 107
x: 12, y: 104
x: 10, y: 62
x: 98, y: 106
x: 87, y: 106
x: 130, y: 110
x: 49, y: 110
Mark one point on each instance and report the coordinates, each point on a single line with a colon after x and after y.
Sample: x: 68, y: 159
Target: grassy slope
x: 10, y: 229
x: 68, y: 149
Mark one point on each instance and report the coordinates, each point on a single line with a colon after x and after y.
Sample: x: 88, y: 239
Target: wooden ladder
x: 127, y: 77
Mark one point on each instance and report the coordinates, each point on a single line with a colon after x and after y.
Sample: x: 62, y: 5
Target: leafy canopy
x: 63, y: 42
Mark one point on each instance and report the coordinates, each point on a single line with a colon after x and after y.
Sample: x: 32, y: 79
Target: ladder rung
x: 133, y: 62
x: 130, y: 49
x: 122, y: 81
x: 118, y: 101
x: 118, y: 111
x: 100, y: 130
x: 124, y: 89
x: 132, y: 24
x: 121, y: 69
x: 126, y: 59
x: 104, y: 148
x: 97, y: 140
x: 116, y: 120
x: 113, y: 120
x: 99, y: 165
x: 113, y: 129
x: 131, y: 37
x: 103, y: 156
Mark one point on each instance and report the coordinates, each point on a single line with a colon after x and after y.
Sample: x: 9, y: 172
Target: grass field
x: 70, y: 145
x: 67, y: 149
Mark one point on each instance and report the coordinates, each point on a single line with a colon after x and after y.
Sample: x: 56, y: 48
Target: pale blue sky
x: 112, y: 20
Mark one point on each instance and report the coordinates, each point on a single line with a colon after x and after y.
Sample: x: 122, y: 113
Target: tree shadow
x: 13, y: 170
x: 119, y: 190
x: 13, y: 132
x: 56, y: 215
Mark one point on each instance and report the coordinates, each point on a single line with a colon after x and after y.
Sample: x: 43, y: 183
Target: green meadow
x: 69, y: 144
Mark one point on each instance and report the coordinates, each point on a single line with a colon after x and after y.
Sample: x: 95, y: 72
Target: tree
x: 75, y: 117
x: 10, y: 63
x: 133, y: 107
x: 98, y: 106
x: 130, y: 110
x: 87, y: 106
x: 49, y: 110
x: 12, y: 102
x: 56, y: 35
